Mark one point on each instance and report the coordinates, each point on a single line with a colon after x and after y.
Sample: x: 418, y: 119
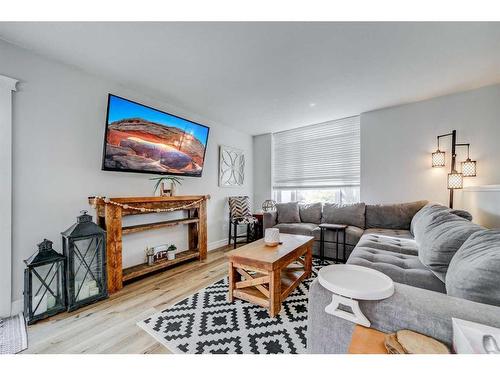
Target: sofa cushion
x: 310, y: 212
x: 305, y: 229
x: 400, y: 245
x: 439, y: 234
x: 288, y: 212
x: 348, y: 214
x: 398, y: 233
x: 392, y: 216
x: 352, y: 235
x: 401, y: 268
x: 474, y: 271
x: 428, y: 210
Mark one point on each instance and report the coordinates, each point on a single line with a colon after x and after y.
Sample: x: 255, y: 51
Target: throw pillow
x: 288, y: 212
x: 310, y: 212
x: 348, y: 214
x: 473, y: 273
x: 392, y: 216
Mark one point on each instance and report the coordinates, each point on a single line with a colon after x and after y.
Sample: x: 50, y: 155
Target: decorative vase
x: 170, y: 255
x: 272, y: 237
x: 151, y: 260
x: 165, y: 192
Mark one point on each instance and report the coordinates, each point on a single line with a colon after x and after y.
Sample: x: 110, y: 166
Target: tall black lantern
x: 84, y: 245
x: 44, y: 283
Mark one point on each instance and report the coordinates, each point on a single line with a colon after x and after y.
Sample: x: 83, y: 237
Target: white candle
x: 272, y: 236
x: 51, y: 301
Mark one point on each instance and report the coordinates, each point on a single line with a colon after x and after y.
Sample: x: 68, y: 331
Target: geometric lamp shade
x: 438, y: 159
x: 469, y: 168
x: 455, y: 180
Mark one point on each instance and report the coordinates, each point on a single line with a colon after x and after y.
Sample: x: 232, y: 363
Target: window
x: 318, y: 163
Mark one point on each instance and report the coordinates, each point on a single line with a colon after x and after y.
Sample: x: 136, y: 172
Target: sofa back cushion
x: 474, y: 271
x: 288, y: 212
x: 439, y: 234
x: 310, y: 212
x: 348, y: 214
x: 392, y: 216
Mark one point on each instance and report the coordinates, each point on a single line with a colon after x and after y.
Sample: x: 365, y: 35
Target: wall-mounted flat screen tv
x: 142, y: 139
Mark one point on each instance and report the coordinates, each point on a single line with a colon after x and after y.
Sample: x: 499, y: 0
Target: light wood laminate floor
x: 110, y: 326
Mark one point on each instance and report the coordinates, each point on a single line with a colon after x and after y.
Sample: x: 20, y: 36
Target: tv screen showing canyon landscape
x: 145, y: 140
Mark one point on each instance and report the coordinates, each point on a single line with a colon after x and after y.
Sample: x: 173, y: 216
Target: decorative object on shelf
x: 350, y: 283
x: 161, y: 183
x: 272, y: 237
x: 455, y: 178
x: 150, y: 255
x: 44, y: 283
x: 145, y: 209
x: 84, y: 245
x: 268, y: 205
x: 231, y: 167
x: 171, y: 252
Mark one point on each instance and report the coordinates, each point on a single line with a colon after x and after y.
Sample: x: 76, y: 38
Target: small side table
x: 259, y: 226
x: 350, y: 283
x: 337, y: 228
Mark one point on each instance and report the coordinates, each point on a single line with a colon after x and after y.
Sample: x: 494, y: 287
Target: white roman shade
x: 325, y: 155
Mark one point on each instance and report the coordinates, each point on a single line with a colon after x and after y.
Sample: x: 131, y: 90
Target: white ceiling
x: 263, y: 77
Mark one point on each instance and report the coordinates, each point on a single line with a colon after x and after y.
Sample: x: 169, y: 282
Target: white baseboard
x: 18, y: 305
x: 216, y: 244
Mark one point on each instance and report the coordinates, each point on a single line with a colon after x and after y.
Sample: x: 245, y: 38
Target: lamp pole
x: 453, y: 160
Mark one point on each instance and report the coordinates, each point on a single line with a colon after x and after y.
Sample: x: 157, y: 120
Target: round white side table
x: 350, y: 283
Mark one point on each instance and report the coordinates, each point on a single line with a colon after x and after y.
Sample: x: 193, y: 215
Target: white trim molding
x: 7, y: 86
x: 482, y: 188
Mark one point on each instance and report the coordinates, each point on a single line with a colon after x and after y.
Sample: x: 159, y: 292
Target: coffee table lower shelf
x: 290, y: 279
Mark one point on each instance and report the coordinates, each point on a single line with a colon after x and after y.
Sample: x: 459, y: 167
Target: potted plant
x: 160, y: 183
x: 150, y: 254
x: 171, y: 252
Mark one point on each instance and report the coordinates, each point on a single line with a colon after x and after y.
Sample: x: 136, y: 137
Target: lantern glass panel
x: 47, y: 287
x: 87, y: 268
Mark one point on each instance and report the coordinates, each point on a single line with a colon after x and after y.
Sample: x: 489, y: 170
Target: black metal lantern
x: 44, y: 283
x: 84, y: 245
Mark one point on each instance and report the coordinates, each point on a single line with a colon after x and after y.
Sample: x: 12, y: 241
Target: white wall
x: 7, y: 85
x: 58, y: 128
x: 396, y: 146
x: 262, y: 169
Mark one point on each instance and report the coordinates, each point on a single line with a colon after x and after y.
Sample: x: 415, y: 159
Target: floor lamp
x: 455, y: 178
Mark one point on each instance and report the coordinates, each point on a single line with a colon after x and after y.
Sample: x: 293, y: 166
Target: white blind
x: 318, y: 156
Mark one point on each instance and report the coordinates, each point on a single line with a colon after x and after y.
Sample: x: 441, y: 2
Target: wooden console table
x: 109, y: 216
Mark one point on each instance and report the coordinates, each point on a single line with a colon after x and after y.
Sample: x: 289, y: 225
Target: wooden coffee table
x: 267, y: 275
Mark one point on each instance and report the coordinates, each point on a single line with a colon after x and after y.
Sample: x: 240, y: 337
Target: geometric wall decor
x: 231, y: 167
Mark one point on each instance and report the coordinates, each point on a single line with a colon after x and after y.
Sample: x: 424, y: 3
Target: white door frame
x: 7, y: 86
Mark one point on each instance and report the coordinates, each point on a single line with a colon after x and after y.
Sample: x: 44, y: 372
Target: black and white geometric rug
x: 206, y: 323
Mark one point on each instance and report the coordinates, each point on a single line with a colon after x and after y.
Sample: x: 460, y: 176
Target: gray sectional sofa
x: 443, y: 266
x: 360, y: 218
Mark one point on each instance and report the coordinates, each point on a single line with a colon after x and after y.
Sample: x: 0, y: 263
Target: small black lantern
x: 84, y: 245
x: 44, y: 283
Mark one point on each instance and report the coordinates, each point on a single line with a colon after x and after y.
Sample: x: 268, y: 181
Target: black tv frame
x: 103, y: 166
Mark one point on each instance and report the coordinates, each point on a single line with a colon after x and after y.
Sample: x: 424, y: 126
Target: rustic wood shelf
x: 143, y: 269
x: 109, y: 217
x: 157, y: 225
